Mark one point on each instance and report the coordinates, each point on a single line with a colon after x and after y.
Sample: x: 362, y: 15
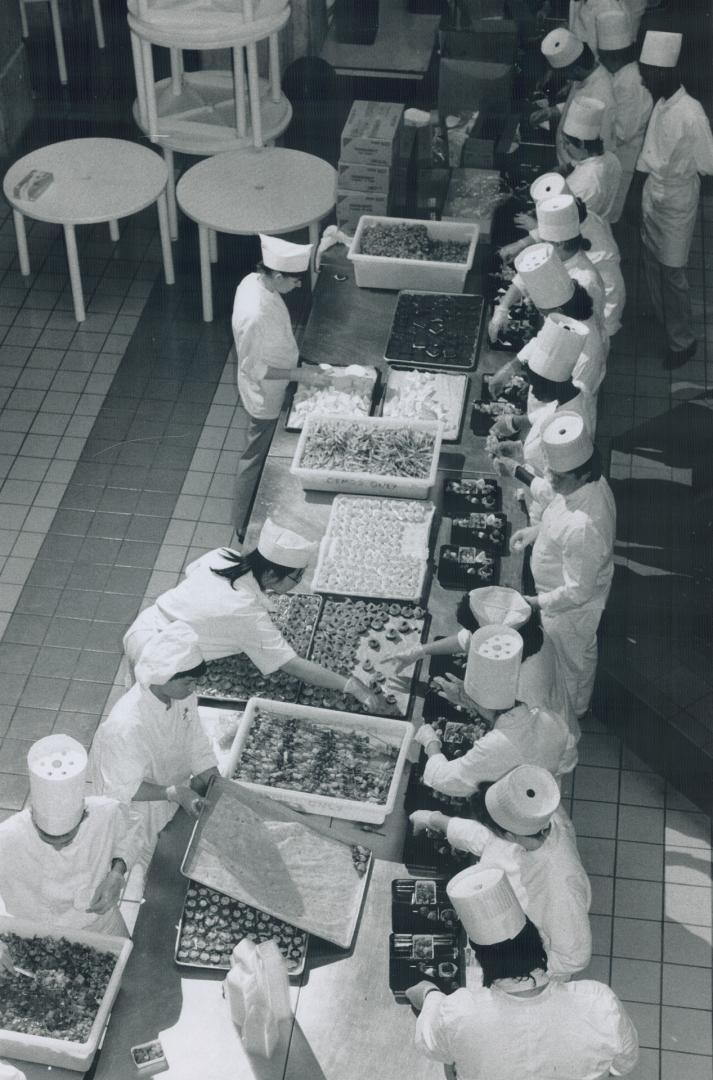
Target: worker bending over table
x: 64, y: 858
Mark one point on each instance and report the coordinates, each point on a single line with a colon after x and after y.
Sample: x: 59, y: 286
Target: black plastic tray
x: 467, y: 535
x: 429, y: 913
x: 469, y: 313
x: 456, y: 574
x: 432, y: 856
x: 455, y: 503
x: 405, y: 972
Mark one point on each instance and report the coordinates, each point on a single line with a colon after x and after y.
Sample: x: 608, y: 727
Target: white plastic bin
x: 383, y: 272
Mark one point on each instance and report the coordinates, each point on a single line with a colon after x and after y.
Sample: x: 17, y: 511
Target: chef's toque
x: 561, y: 48
x: 566, y: 442
x: 493, y: 667
x: 486, y: 905
x: 283, y: 546
x: 551, y: 183
x: 661, y: 49
x: 167, y: 653
x: 557, y: 218
x: 284, y: 256
x: 524, y: 800
x: 57, y: 765
x: 555, y: 350
x: 544, y: 276
x: 499, y: 605
x: 584, y: 119
x: 615, y: 30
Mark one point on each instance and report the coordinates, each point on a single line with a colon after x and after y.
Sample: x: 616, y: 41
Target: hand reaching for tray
x: 107, y: 893
x: 404, y: 658
x: 452, y: 690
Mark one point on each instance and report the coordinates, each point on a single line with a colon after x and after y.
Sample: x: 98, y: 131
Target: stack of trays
x: 427, y: 941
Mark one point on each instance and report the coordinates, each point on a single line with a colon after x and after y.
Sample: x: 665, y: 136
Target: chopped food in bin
x: 349, y: 446
x: 401, y: 241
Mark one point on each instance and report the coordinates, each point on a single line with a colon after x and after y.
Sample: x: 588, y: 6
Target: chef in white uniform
x: 677, y: 147
x: 518, y: 734
x: 518, y: 826
x: 223, y: 599
x: 596, y: 175
x: 151, y: 752
x: 558, y: 224
x: 267, y: 356
x: 573, y: 553
x: 618, y: 54
x: 583, y: 19
x: 64, y: 858
x: 519, y: 1023
x: 575, y: 61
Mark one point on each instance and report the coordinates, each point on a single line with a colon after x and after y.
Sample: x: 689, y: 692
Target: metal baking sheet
x: 465, y: 390
x: 291, y: 419
x: 400, y: 350
x: 230, y: 910
x: 257, y: 850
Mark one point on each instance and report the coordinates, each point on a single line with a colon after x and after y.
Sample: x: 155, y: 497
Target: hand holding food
x: 187, y: 798
x: 522, y: 538
x: 421, y: 820
x: 525, y: 222
x: 107, y: 893
x: 405, y: 658
x: 417, y: 994
x: 497, y: 323
x: 506, y: 466
x: 451, y: 688
x: 541, y: 116
x: 361, y: 692
x: 427, y: 735
x: 503, y: 428
x: 314, y: 377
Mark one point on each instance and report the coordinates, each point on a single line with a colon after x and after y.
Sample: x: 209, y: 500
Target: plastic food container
x: 384, y: 272
x: 396, y: 733
x: 149, y: 1058
x: 363, y: 483
x: 64, y: 1053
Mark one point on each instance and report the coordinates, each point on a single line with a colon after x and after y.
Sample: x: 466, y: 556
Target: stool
x: 57, y: 30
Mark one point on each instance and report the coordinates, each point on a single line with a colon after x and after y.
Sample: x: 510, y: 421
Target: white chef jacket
x: 573, y: 555
x: 677, y: 147
x: 262, y: 330
x: 226, y: 619
x: 633, y: 109
x: 569, y: 1031
x: 550, y: 883
x: 596, y: 180
x: 582, y: 270
x: 56, y: 886
x: 521, y: 736
x: 583, y: 18
x: 590, y: 369
x: 596, y: 85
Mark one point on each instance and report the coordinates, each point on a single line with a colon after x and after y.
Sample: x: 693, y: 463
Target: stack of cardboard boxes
x: 367, y: 175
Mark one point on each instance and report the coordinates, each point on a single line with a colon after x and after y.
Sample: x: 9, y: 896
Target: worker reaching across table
x: 64, y: 858
x: 677, y: 147
x: 572, y: 559
x: 596, y: 173
x: 223, y: 598
x: 520, y: 1023
x: 518, y: 826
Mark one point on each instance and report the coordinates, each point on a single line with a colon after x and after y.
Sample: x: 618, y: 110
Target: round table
x: 266, y: 190
x: 95, y: 180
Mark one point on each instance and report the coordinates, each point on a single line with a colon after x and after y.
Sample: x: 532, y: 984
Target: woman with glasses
x: 517, y: 825
x: 223, y: 598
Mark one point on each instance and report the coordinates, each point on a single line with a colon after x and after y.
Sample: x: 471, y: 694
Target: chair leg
x: 58, y: 42
x: 254, y: 91
x: 166, y: 251
x: 140, y: 81
x: 150, y: 88
x: 239, y: 87
x: 74, y: 275
x: 114, y: 230
x: 21, y: 237
x: 23, y: 21
x: 171, y: 193
x: 275, y: 68
x: 99, y: 23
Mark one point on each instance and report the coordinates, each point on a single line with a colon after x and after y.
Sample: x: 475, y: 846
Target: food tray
x: 233, y: 921
x: 480, y: 530
x: 294, y: 422
x: 467, y: 568
x: 341, y: 644
x: 380, y: 541
x: 451, y: 325
x: 430, y: 855
x: 381, y: 732
x: 421, y: 907
x: 261, y: 852
x: 364, y: 483
x: 44, y: 1050
x: 458, y: 731
x: 440, y: 958
x: 383, y: 272
x: 483, y: 414
x: 452, y: 419
x: 235, y: 678
x: 515, y: 391
x: 465, y: 495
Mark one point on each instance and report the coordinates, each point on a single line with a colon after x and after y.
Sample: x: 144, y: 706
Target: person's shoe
x: 679, y: 358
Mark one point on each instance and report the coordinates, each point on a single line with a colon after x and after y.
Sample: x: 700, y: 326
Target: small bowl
x: 151, y: 1058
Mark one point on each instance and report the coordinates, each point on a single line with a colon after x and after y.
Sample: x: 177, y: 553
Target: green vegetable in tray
x: 348, y: 446
x: 401, y: 241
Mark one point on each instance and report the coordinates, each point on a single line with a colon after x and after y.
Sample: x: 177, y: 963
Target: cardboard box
x: 351, y: 205
x: 368, y: 178
x: 369, y: 133
x: 465, y: 84
x: 486, y: 39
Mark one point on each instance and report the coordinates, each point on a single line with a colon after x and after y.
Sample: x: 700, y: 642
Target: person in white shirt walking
x: 677, y: 147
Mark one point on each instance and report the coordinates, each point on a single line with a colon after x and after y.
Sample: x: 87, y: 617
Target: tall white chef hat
x: 58, y: 767
x: 486, y: 905
x: 550, y: 183
x: 168, y: 652
x: 524, y: 800
x: 545, y: 278
x: 283, y: 546
x: 615, y: 30
x: 561, y: 48
x: 557, y: 217
x: 499, y: 605
x: 584, y: 118
x: 566, y: 442
x: 554, y: 352
x: 661, y: 49
x: 493, y: 667
x: 284, y: 256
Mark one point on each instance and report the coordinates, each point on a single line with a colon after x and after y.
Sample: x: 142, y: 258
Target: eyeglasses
x: 296, y: 576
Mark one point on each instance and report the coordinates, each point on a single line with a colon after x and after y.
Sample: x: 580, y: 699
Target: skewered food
x: 350, y: 446
x: 401, y: 241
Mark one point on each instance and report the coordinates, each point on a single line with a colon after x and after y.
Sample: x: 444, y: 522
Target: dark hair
x: 592, y: 146
x: 515, y: 958
x: 666, y: 81
x: 531, y: 633
x: 253, y: 563
x: 196, y: 672
x: 621, y: 56
x: 575, y: 244
x: 548, y: 390
x: 581, y: 210
x: 586, y: 60
x: 592, y: 467
x: 580, y: 305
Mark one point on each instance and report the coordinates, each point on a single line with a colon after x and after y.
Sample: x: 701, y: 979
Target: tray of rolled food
x: 467, y: 567
x: 439, y: 958
x: 212, y: 924
x: 351, y: 392
x: 463, y: 495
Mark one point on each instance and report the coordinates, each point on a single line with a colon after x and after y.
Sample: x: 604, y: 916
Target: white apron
x: 668, y: 217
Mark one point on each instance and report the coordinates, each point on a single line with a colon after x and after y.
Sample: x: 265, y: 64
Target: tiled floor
x: 118, y: 444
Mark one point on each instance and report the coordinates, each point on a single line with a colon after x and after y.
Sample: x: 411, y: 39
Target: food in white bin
x: 350, y: 446
x: 349, y: 394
